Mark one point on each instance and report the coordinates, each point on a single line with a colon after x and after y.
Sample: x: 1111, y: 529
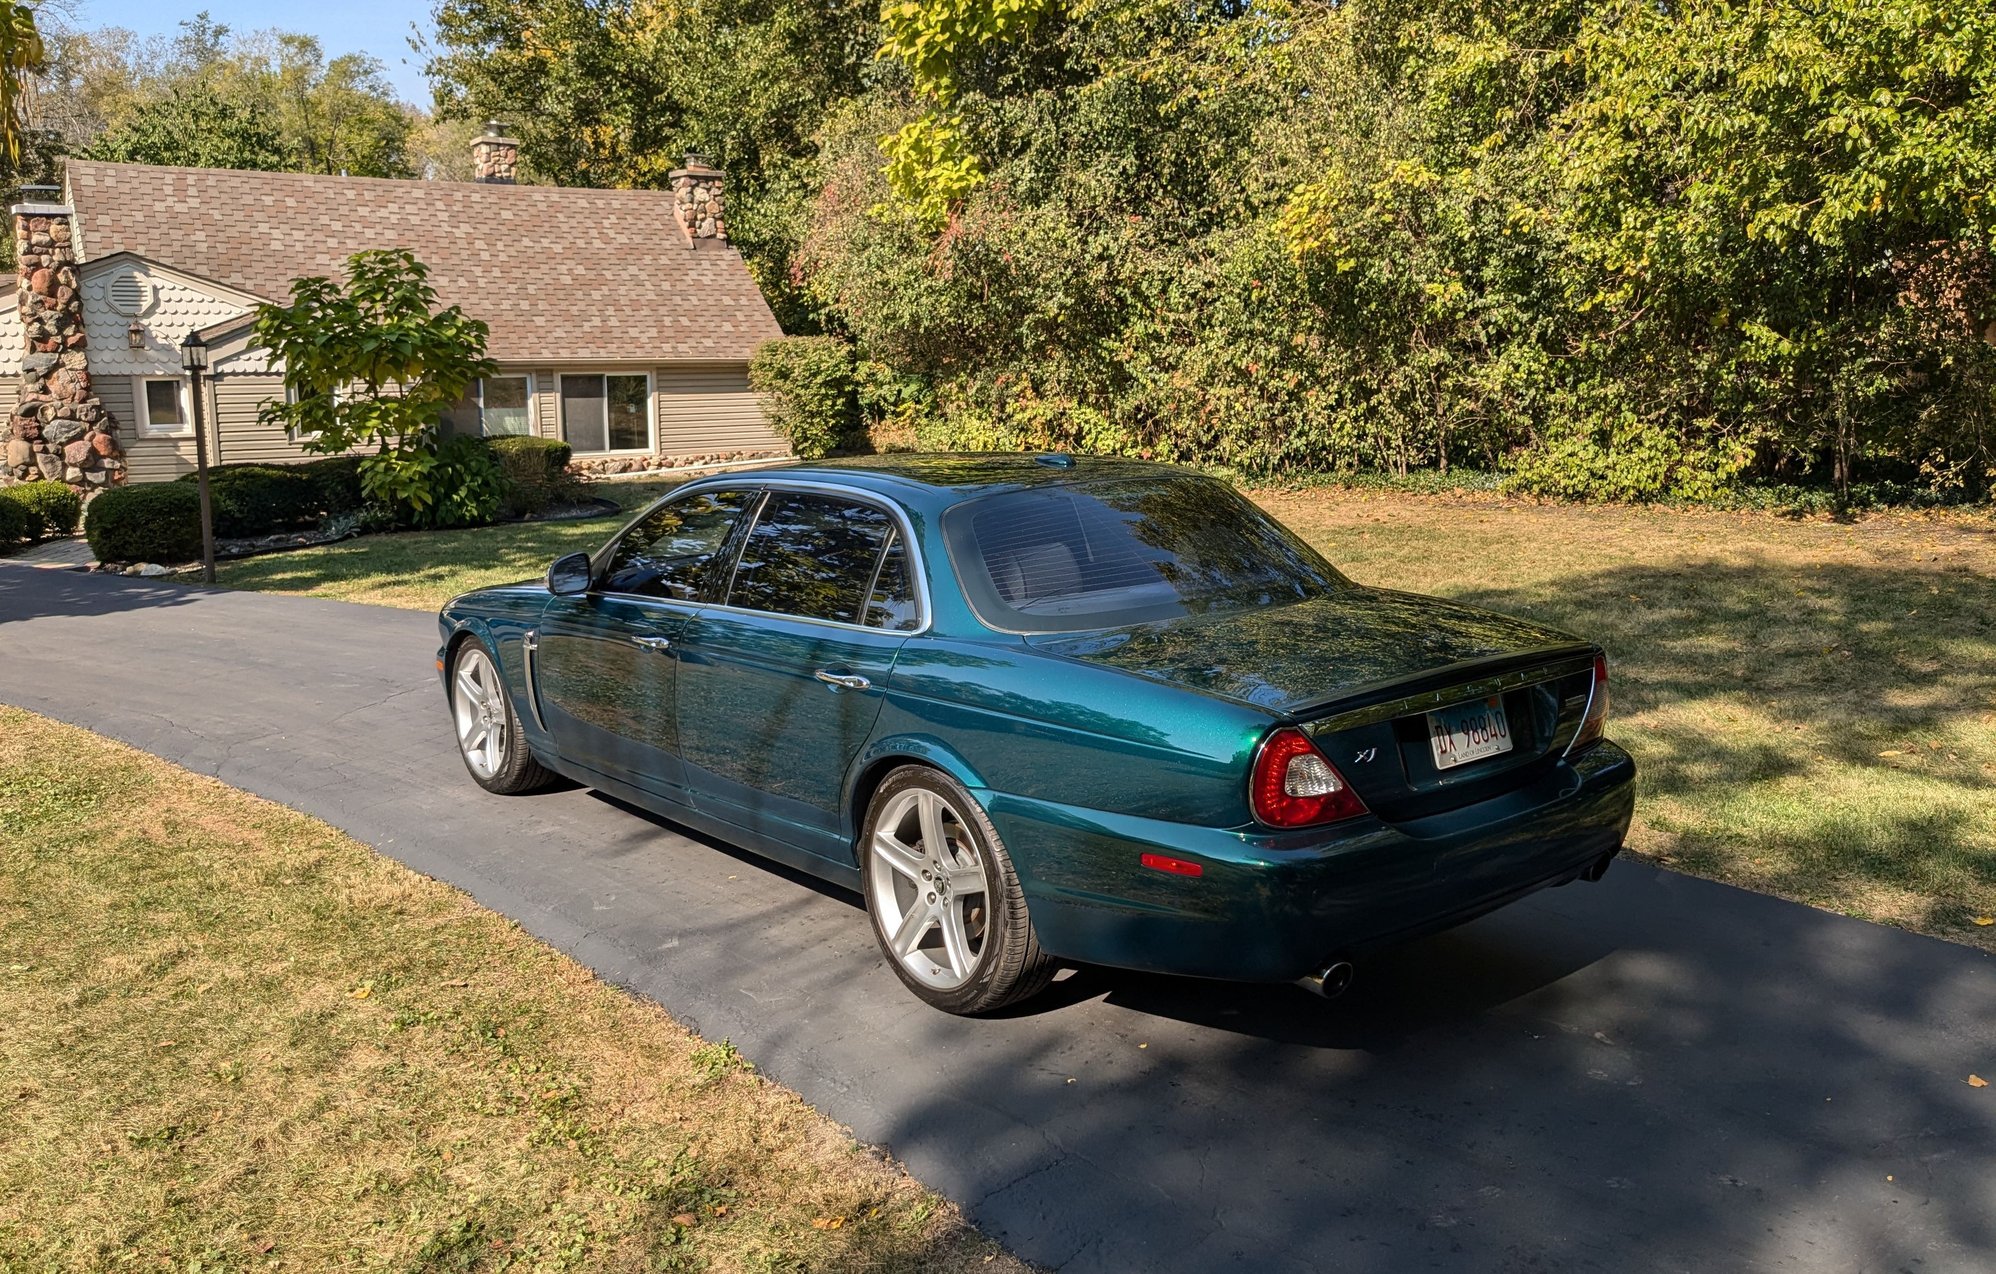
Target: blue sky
x: 379, y: 27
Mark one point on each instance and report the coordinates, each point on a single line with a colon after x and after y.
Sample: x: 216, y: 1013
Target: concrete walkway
x: 1654, y: 1073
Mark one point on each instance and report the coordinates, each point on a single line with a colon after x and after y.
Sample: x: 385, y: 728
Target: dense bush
x: 1620, y: 248
x: 535, y: 472
x: 259, y: 499
x: 52, y: 507
x: 158, y: 522
x: 338, y: 479
x: 265, y: 499
x: 460, y: 479
x: 16, y: 524
x: 810, y: 391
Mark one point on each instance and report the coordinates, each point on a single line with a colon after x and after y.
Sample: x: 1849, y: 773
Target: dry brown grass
x: 233, y: 1038
x: 1813, y: 703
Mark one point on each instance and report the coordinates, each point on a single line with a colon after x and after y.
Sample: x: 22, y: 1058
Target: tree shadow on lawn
x: 1817, y: 730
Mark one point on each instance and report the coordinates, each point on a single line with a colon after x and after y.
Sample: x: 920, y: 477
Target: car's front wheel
x: 488, y: 730
x: 945, y: 902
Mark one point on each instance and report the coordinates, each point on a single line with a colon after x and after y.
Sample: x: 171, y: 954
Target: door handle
x: 843, y: 680
x: 653, y: 643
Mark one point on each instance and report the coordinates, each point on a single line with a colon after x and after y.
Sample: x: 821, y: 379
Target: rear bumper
x: 1275, y: 906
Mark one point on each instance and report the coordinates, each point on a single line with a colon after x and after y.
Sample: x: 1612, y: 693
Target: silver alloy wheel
x: 930, y: 894
x: 480, y: 712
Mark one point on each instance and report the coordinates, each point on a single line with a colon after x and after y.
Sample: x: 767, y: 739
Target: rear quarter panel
x: 1028, y: 723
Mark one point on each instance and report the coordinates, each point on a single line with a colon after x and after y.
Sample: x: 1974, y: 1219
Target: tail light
x: 1597, y: 708
x: 1294, y: 785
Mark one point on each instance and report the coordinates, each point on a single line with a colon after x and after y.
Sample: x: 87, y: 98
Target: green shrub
x: 160, y: 522
x: 338, y: 479
x: 264, y: 499
x: 16, y: 524
x: 452, y: 482
x: 535, y: 472
x: 259, y: 499
x: 810, y: 389
x: 52, y: 507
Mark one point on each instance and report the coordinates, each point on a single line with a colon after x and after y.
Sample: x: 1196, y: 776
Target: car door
x: 605, y: 661
x: 780, y: 685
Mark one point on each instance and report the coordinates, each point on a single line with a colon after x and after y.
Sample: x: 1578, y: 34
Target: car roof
x: 961, y: 475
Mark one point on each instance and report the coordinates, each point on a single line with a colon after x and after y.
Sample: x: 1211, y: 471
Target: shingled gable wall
x: 59, y: 429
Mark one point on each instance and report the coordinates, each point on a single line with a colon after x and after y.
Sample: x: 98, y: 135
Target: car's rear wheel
x: 946, y: 905
x: 488, y: 731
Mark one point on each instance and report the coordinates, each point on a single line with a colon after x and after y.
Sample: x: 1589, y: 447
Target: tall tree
x: 21, y: 54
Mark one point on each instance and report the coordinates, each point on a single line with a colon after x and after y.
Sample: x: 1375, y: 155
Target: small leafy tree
x: 374, y: 365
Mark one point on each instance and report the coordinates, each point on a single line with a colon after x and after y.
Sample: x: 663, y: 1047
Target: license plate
x: 1468, y: 732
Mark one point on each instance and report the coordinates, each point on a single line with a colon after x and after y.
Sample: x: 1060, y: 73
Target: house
x: 621, y: 320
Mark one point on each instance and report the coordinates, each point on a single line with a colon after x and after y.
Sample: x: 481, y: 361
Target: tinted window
x: 1124, y: 551
x: 892, y: 605
x: 668, y: 553
x: 810, y: 555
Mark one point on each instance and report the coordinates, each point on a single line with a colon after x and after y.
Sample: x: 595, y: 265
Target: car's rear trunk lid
x: 1361, y: 670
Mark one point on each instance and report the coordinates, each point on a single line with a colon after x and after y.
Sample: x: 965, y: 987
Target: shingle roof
x: 559, y: 273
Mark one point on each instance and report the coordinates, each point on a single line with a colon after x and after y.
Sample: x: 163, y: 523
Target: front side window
x: 165, y: 408
x: 607, y: 412
x: 812, y: 556
x: 1125, y: 551
x: 670, y: 553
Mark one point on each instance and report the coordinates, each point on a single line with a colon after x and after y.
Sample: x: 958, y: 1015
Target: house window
x: 494, y: 407
x: 163, y: 409
x: 608, y: 411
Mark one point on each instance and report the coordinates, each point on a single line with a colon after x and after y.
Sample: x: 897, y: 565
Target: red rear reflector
x: 1176, y: 866
x: 1294, y: 785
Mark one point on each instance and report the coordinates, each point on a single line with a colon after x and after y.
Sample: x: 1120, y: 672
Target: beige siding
x: 704, y: 410
x: 10, y: 393
x: 546, y: 409
x: 241, y: 439
x: 146, y: 459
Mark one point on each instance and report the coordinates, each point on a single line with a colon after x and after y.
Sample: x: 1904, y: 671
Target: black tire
x: 1006, y: 963
x: 513, y: 770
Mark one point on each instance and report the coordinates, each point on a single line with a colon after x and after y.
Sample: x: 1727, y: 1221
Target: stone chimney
x: 59, y: 429
x: 495, y: 157
x: 696, y: 189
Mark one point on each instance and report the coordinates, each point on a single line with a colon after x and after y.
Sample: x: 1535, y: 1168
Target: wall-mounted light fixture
x: 135, y: 334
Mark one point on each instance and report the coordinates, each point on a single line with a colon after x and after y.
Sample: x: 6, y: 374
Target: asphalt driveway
x: 1652, y: 1073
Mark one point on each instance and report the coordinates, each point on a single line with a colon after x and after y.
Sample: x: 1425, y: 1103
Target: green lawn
x: 235, y: 1039
x: 425, y: 569
x: 1813, y: 702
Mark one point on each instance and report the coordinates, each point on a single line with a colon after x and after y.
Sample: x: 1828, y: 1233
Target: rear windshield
x: 1125, y: 551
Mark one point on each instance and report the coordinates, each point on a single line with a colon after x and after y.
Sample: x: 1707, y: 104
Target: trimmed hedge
x: 535, y: 470
x: 52, y: 508
x: 263, y: 499
x: 16, y: 524
x: 810, y: 388
x: 158, y: 522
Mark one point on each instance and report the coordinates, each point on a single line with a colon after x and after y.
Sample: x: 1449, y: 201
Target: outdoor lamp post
x: 194, y: 360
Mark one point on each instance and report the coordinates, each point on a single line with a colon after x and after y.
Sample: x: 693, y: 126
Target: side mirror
x: 569, y: 576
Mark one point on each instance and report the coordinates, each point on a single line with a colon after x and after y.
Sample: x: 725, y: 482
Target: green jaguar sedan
x: 1048, y: 710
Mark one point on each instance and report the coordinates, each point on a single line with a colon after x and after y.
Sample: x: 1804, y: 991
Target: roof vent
x: 129, y: 294
x: 1056, y: 460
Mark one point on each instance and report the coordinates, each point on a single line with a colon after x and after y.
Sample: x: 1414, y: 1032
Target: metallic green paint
x: 1086, y: 749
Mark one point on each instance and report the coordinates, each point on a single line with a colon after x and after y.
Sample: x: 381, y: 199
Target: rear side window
x: 891, y: 604
x: 1125, y: 551
x: 670, y: 552
x: 812, y: 556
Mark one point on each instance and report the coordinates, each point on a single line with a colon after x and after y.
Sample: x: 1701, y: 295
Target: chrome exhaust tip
x: 1331, y: 981
x: 1598, y: 868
